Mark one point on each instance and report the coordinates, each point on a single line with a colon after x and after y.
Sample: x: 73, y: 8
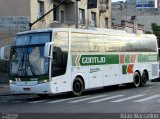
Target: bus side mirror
x: 4, y: 52
x: 47, y: 49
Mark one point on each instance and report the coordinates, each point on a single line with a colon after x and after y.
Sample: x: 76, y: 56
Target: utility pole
x: 134, y: 19
x: 77, y: 18
x: 76, y: 6
x: 110, y: 13
x: 31, y: 24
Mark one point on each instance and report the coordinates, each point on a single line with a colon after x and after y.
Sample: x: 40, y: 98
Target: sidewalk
x: 4, y: 89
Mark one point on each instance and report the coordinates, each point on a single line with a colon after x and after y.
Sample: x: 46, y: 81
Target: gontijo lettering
x: 93, y: 60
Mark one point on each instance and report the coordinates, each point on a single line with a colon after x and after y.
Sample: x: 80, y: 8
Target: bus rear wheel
x: 144, y: 78
x: 136, y: 80
x: 78, y: 87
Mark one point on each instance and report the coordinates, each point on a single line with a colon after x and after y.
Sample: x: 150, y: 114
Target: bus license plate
x: 26, y: 89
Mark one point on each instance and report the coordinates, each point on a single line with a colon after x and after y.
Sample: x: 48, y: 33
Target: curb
x: 5, y: 94
x: 4, y: 89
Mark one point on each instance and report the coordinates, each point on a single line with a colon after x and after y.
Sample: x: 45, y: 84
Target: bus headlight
x: 43, y: 81
x: 11, y: 82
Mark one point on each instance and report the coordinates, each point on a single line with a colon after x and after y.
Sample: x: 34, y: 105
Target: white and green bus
x: 50, y: 61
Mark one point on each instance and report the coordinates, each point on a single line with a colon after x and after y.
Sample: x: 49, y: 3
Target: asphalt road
x: 119, y: 100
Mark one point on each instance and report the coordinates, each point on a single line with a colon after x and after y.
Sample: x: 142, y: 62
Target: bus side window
x: 111, y: 43
x: 59, y: 62
x: 60, y: 54
x: 96, y: 43
x: 79, y: 42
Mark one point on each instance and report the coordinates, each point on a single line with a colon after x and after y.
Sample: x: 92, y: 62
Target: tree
x: 156, y: 31
x: 148, y: 32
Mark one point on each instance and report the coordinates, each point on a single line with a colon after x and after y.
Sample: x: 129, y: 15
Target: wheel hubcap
x: 77, y: 87
x: 137, y: 81
x: 144, y: 78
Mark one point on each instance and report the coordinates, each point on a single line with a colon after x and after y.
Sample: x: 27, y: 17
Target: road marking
x: 128, y: 98
x: 16, y: 101
x: 151, y: 86
x: 148, y: 98
x: 34, y: 102
x: 103, y: 99
x: 84, y: 99
x: 62, y: 100
x: 3, y: 101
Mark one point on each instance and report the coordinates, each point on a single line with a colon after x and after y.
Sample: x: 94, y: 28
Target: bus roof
x: 93, y: 30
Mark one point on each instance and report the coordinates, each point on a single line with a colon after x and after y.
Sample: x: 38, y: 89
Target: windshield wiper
x: 20, y: 65
x: 27, y: 63
x: 27, y: 60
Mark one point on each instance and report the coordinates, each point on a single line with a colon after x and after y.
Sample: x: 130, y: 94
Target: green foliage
x: 156, y: 30
x: 4, y: 66
x: 148, y: 32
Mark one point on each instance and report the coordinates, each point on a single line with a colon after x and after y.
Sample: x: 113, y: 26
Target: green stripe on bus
x: 124, y: 69
x: 112, y: 59
x: 149, y: 58
x: 139, y: 58
x: 74, y: 60
x: 92, y: 60
x: 86, y: 60
x: 127, y: 58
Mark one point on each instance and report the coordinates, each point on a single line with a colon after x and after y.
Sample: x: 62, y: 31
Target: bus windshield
x: 27, y: 55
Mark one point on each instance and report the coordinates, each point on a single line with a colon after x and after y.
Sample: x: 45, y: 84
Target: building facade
x: 147, y: 12
x: 129, y: 27
x: 15, y: 16
x: 158, y: 3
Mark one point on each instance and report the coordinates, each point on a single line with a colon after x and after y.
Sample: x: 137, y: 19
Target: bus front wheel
x: 78, y: 87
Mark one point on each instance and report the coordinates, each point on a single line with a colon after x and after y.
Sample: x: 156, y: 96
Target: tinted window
x: 147, y: 45
x: 79, y: 42
x: 151, y: 45
x: 143, y: 43
x: 125, y: 44
x: 96, y: 43
x: 61, y: 40
x: 31, y: 39
x: 60, y: 53
x: 136, y: 44
x: 111, y: 43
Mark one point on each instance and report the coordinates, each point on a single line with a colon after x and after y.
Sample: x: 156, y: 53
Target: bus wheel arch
x: 43, y: 95
x: 78, y: 86
x: 137, y: 79
x: 144, y: 77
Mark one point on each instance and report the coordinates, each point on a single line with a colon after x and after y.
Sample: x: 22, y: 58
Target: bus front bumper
x: 43, y: 88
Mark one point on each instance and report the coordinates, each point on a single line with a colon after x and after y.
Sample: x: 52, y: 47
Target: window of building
x: 56, y: 13
x: 92, y: 4
x: 81, y: 16
x: 62, y: 16
x: 106, y: 22
x: 41, y: 8
x: 93, y: 19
